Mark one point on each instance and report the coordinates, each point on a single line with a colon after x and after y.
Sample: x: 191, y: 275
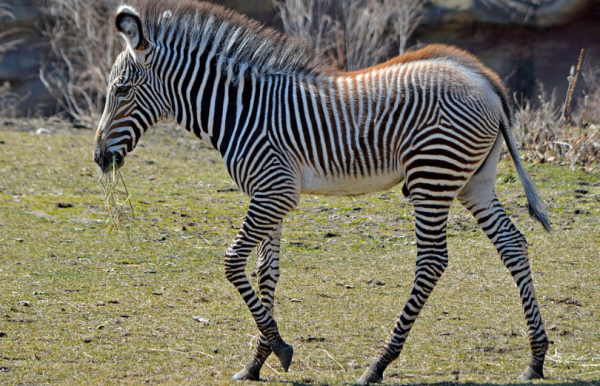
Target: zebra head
x: 132, y: 105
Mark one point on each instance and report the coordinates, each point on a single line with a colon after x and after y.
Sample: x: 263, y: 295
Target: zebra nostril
x: 118, y: 159
x: 106, y: 160
x: 114, y: 158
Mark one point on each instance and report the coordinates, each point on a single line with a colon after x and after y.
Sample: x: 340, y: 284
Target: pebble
x: 42, y: 130
x: 200, y: 319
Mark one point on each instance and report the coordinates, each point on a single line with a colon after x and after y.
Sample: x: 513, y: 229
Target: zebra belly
x: 346, y: 185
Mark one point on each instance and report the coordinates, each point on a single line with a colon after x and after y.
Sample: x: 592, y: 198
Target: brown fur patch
x: 442, y: 51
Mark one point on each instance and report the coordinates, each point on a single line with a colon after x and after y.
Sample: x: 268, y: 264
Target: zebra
x: 287, y: 122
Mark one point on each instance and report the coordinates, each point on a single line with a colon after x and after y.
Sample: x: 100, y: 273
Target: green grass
x: 80, y: 307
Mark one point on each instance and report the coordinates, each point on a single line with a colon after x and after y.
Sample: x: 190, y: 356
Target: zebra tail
x: 537, y: 207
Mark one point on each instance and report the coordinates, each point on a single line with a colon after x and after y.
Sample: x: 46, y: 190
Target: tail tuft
x: 537, y: 208
x: 541, y: 217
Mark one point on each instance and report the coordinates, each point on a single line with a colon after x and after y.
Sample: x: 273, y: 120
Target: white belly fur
x: 347, y: 186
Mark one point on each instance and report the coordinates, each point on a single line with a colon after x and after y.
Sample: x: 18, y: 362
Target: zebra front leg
x: 268, y: 274
x: 432, y: 260
x: 265, y: 214
x: 512, y: 247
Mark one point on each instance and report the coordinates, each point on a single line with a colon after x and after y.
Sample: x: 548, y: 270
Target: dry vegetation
x: 355, y: 34
x: 9, y: 101
x: 550, y: 131
x: 75, y: 74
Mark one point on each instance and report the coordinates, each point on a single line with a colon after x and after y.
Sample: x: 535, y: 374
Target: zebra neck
x: 220, y: 106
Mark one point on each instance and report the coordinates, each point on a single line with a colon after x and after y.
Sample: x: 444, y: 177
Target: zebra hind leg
x: 512, y: 247
x: 432, y: 260
x: 268, y: 274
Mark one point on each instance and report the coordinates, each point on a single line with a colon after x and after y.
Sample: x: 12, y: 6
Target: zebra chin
x: 106, y: 160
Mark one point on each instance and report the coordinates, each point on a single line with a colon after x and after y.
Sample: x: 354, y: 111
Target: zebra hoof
x: 250, y: 372
x: 535, y: 370
x: 531, y: 373
x: 284, y: 352
x: 374, y: 374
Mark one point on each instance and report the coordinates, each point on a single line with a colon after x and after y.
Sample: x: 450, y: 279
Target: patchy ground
x: 80, y: 307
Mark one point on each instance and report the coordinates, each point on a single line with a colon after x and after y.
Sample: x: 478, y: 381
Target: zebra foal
x: 286, y: 123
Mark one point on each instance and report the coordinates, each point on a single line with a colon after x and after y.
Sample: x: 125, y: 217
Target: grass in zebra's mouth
x: 117, y: 202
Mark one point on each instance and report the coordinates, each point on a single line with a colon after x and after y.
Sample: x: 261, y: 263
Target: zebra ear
x: 129, y: 24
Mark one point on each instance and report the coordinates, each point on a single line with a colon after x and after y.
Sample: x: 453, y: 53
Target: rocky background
x: 528, y: 42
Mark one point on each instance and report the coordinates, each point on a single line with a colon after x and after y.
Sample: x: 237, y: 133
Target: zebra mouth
x: 108, y: 161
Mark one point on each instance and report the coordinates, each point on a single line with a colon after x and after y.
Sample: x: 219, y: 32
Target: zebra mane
x: 243, y: 41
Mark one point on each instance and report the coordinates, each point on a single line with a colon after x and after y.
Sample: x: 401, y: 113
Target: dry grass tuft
x: 547, y: 131
x: 355, y: 34
x: 75, y: 74
x: 117, y: 202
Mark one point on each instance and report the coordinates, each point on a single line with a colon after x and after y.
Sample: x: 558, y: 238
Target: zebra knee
x: 512, y: 244
x: 234, y: 271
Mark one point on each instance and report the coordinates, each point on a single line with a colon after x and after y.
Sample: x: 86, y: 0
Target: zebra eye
x: 122, y: 90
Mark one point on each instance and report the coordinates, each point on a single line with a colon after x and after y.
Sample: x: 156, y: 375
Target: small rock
x: 113, y: 302
x: 348, y: 286
x: 296, y: 301
x: 149, y: 271
x: 42, y: 130
x: 64, y: 205
x: 100, y: 304
x: 2, y: 334
x: 18, y: 240
x: 87, y: 340
x: 25, y: 303
x: 85, y: 172
x: 200, y: 319
x: 157, y: 293
x: 581, y: 191
x: 100, y: 327
x: 330, y: 234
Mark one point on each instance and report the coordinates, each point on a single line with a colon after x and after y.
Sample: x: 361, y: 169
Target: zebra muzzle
x: 107, y: 160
